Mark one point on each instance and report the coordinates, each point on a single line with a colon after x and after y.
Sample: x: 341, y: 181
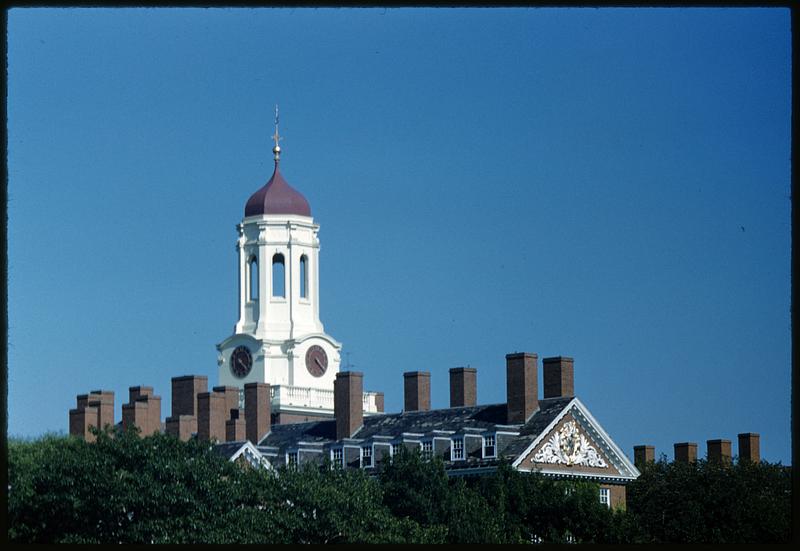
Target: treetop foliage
x: 158, y: 489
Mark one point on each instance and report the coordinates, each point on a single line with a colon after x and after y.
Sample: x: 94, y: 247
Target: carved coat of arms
x: 569, y: 447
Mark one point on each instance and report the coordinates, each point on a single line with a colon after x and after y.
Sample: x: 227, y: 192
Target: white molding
x: 616, y: 456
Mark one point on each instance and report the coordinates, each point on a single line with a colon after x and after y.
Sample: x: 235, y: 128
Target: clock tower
x: 279, y: 338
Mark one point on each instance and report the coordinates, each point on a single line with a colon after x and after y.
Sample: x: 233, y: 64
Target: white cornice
x: 627, y: 470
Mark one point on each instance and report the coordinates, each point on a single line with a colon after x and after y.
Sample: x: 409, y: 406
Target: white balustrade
x: 317, y: 398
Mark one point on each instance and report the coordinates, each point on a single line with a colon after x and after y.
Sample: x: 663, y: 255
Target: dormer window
x: 427, y: 449
x: 336, y: 457
x: 488, y: 446
x: 457, y: 451
x: 366, y: 456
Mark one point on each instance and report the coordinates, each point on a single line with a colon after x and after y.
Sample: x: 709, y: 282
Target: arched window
x: 304, y: 276
x: 278, y: 276
x: 253, y: 278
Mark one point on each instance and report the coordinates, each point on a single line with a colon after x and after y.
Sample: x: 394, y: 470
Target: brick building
x: 283, y: 400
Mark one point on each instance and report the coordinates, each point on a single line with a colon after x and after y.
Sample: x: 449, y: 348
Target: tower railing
x: 314, y: 398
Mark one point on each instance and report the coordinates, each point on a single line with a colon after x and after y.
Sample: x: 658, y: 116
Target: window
x: 605, y: 497
x: 366, y: 456
x: 303, y: 276
x: 458, y: 449
x: 291, y: 459
x: 278, y: 276
x: 396, y: 449
x: 488, y: 446
x: 253, y: 278
x: 336, y: 457
x: 427, y: 449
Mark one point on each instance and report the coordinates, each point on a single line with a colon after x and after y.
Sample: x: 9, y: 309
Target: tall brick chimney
x: 686, y: 452
x: 257, y: 410
x: 183, y: 421
x: 718, y: 451
x: 105, y: 406
x: 749, y: 447
x: 557, y: 377
x: 348, y: 406
x: 211, y: 416
x: 522, y: 387
x: 231, y: 394
x: 463, y: 386
x: 379, y: 401
x: 82, y: 417
x: 643, y: 454
x: 142, y: 410
x: 235, y: 427
x: 417, y: 390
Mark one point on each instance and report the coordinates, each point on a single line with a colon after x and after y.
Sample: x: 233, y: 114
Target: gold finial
x: 277, y: 149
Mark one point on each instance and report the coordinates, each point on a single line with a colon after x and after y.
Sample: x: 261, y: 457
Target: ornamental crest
x: 569, y: 447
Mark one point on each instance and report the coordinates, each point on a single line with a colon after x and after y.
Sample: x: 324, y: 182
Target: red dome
x: 277, y: 197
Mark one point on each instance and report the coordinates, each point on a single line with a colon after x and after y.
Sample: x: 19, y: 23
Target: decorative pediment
x: 575, y: 444
x: 569, y: 447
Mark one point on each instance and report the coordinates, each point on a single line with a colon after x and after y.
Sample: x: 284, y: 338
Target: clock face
x: 241, y: 361
x: 316, y: 361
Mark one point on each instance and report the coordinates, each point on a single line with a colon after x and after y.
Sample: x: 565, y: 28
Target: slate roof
x: 228, y: 449
x: 486, y: 418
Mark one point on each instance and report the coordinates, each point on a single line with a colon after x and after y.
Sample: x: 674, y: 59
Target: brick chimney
x: 557, y: 377
x: 105, y: 406
x: 183, y: 421
x: 348, y: 407
x: 142, y: 410
x: 379, y: 401
x: 135, y: 414
x: 686, y: 452
x: 749, y: 447
x: 718, y: 451
x: 257, y: 409
x: 211, y: 416
x: 82, y: 418
x: 643, y: 454
x: 463, y: 386
x: 522, y: 387
x: 231, y: 394
x: 417, y: 390
x: 235, y: 427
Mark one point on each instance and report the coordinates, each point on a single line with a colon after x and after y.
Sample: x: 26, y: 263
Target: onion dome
x: 277, y: 197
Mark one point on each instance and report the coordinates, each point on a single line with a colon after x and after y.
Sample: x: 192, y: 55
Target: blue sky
x: 607, y: 184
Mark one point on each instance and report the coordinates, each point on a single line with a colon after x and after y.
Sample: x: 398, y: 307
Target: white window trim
x: 453, y: 449
x: 426, y: 454
x: 341, y: 456
x: 494, y: 446
x: 605, y: 497
x: 371, y: 456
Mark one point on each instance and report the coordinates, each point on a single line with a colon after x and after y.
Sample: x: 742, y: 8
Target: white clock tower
x: 279, y: 338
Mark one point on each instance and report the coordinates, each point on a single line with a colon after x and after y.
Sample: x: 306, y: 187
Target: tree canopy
x: 127, y: 489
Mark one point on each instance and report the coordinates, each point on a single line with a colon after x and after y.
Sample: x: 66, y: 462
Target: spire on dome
x: 277, y: 149
x: 277, y: 196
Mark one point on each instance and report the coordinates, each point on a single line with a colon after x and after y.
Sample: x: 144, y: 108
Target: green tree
x: 709, y: 502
